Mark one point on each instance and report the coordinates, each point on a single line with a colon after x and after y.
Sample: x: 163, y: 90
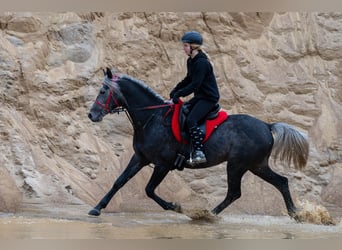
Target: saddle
x: 215, y: 117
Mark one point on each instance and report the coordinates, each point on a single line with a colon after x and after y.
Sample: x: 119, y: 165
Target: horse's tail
x: 290, y: 145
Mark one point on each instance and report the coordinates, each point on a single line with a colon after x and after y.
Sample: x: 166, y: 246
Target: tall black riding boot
x: 197, y: 137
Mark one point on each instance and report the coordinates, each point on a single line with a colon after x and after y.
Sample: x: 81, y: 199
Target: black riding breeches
x: 198, y: 112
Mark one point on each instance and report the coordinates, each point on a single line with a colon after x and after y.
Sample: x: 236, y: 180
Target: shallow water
x: 72, y: 222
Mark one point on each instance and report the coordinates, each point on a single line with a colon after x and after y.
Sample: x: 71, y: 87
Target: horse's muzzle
x: 94, y: 119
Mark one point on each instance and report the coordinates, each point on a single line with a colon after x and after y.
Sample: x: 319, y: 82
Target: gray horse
x: 242, y: 141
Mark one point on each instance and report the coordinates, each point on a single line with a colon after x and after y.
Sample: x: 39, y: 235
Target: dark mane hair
x: 141, y: 84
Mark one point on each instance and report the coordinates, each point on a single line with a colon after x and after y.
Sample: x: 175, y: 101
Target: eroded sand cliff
x: 275, y: 66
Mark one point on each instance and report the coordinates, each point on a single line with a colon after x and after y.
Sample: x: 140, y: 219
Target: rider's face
x: 187, y: 48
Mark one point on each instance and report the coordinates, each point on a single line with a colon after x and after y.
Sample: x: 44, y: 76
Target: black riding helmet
x: 192, y: 37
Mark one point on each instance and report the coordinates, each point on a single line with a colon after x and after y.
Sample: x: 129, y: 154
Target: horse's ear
x: 109, y: 73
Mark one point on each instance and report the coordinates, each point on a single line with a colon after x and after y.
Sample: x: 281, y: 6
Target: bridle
x: 105, y: 106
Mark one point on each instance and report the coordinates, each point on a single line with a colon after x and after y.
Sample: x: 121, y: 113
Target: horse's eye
x: 103, y: 89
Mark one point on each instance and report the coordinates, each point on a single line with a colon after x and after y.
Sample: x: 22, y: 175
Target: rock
x: 10, y: 195
x: 330, y: 193
x: 24, y: 24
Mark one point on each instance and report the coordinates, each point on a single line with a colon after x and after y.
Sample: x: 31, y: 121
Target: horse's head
x: 108, y: 99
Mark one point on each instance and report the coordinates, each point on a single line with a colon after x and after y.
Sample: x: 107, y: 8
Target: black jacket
x: 200, y: 80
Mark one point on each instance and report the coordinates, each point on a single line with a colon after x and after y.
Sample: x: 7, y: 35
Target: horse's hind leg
x: 133, y: 167
x: 234, y: 176
x: 159, y: 173
x: 280, y: 182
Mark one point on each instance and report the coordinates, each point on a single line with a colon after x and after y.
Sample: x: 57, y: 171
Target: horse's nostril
x: 90, y: 116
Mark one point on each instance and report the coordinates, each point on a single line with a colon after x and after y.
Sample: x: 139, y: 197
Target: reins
x: 155, y: 106
x: 120, y: 109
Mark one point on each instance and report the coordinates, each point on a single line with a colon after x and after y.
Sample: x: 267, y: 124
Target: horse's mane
x: 141, y: 84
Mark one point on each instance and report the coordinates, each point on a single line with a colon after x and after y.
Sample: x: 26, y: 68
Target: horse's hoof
x: 178, y: 208
x: 294, y: 214
x: 297, y: 217
x: 94, y: 212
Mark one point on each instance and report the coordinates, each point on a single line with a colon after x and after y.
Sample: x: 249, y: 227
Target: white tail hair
x: 290, y: 145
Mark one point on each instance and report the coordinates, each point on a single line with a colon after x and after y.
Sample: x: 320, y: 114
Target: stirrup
x: 197, y: 158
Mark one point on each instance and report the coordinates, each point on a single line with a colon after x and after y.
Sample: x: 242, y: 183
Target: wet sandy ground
x: 72, y: 222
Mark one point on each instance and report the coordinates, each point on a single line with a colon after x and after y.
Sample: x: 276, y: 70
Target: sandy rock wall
x: 276, y: 66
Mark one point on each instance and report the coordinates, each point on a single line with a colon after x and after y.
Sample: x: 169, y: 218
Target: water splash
x: 314, y: 213
x: 201, y: 215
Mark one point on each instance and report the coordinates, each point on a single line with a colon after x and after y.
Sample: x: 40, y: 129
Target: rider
x: 200, y: 80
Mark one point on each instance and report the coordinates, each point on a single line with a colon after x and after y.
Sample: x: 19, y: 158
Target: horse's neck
x: 138, y: 100
x: 139, y: 96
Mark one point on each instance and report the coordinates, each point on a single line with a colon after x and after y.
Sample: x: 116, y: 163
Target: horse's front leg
x: 157, y: 177
x: 133, y: 167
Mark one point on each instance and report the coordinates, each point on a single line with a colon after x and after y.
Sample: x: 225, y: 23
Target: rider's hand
x: 175, y: 98
x: 172, y: 93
